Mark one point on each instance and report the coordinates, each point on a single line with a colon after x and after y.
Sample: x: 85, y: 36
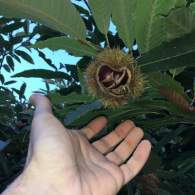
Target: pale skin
x: 63, y: 162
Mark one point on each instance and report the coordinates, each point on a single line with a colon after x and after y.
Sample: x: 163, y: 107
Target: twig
x: 107, y: 40
x: 2, y: 60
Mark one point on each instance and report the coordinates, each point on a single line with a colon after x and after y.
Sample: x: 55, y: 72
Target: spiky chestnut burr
x: 114, y: 78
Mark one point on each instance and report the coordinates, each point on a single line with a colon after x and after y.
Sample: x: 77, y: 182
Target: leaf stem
x: 85, y: 42
x: 2, y: 60
x: 107, y: 40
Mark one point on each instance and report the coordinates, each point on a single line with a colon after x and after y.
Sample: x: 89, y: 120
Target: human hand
x: 63, y: 162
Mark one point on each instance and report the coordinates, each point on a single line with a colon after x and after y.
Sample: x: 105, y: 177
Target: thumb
x: 46, y: 129
x: 42, y: 106
x: 41, y: 103
x: 44, y: 123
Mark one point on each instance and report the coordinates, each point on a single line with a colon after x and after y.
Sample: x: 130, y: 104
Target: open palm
x: 67, y: 161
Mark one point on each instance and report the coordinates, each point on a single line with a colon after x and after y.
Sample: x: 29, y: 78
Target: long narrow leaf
x: 59, y: 15
x: 101, y: 13
x: 148, y: 21
x: 70, y: 45
x: 122, y: 12
x: 42, y: 73
x: 177, y: 53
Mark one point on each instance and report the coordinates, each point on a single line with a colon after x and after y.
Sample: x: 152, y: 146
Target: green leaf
x: 47, y: 60
x: 176, y: 71
x: 70, y: 45
x: 25, y: 56
x: 16, y: 57
x: 122, y: 12
x: 178, y: 53
x: 10, y: 62
x: 142, y: 20
x: 158, y: 79
x: 12, y: 27
x: 161, y: 191
x: 5, y: 96
x: 169, y: 136
x: 71, y: 98
x: 72, y: 69
x: 81, y: 78
x: 42, y: 73
x: 179, y: 22
x: 192, y: 7
x: 154, y: 163
x: 10, y: 82
x: 4, y: 166
x: 81, y: 9
x: 101, y: 12
x: 6, y: 67
x: 148, y: 22
x: 81, y: 111
x: 2, y: 79
x: 59, y: 15
x: 22, y: 90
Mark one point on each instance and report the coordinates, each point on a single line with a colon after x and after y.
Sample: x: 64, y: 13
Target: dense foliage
x: 164, y: 31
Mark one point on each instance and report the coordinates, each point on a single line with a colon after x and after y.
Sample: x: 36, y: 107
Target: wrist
x: 31, y: 183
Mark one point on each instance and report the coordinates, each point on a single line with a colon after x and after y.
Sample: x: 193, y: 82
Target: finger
x: 126, y: 147
x: 41, y: 103
x: 137, y: 161
x: 94, y: 127
x: 108, y: 142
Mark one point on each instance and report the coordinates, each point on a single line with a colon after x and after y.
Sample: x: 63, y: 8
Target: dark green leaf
x: 6, y: 67
x: 10, y: 82
x: 11, y: 27
x: 3, y: 165
x: 80, y: 75
x: 42, y: 73
x: 160, y: 191
x: 22, y: 90
x: 26, y: 26
x: 16, y: 40
x: 73, y: 71
x: 47, y: 60
x: 25, y: 56
x: 154, y: 163
x: 2, y: 79
x: 16, y: 90
x: 47, y: 86
x: 10, y: 62
x: 170, y: 136
x: 16, y: 57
